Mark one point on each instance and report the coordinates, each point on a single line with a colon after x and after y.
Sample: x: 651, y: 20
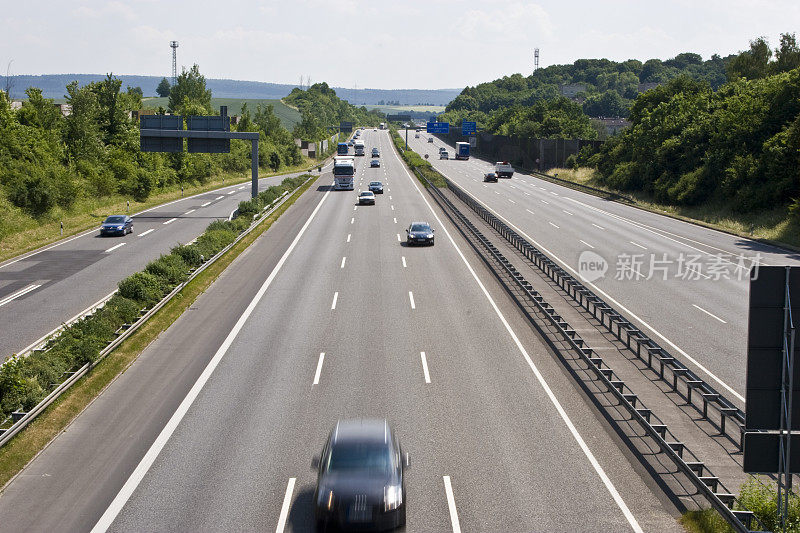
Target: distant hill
x: 52, y: 86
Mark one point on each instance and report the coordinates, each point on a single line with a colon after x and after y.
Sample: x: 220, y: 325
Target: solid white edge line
x: 451, y: 505
x: 614, y: 301
x: 169, y: 221
x: 19, y: 293
x: 335, y: 297
x: 287, y: 500
x: 142, y: 234
x: 411, y: 299
x: 319, y: 368
x: 149, y: 458
x: 425, y: 367
x: 539, y: 377
x: 115, y: 247
x: 712, y: 315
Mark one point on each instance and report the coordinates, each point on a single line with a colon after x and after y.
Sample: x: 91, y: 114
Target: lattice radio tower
x: 535, y: 59
x: 174, y: 46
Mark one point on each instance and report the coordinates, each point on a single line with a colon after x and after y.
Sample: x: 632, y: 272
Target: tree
x: 751, y: 64
x: 190, y: 87
x: 163, y: 88
x: 82, y: 126
x: 787, y: 55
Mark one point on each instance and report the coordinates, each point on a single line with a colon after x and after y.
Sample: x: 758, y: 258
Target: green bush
x: 190, y: 255
x: 170, y: 267
x: 144, y: 287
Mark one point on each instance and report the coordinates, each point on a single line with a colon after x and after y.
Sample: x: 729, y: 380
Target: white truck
x: 358, y: 147
x: 344, y: 169
x: 503, y: 169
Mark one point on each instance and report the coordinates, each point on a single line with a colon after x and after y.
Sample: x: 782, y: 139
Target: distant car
x: 350, y: 142
x: 375, y: 163
x: 376, y: 152
x: 442, y: 149
x: 361, y: 478
x: 430, y: 139
x: 117, y: 225
x: 419, y: 233
x: 376, y: 187
x: 416, y: 135
x: 490, y: 176
x: 444, y: 155
x: 366, y: 198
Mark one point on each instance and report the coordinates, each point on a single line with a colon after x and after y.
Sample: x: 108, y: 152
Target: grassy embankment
x: 53, y: 420
x: 24, y: 233
x: 773, y: 225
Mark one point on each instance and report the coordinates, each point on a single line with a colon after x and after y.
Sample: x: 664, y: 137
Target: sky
x: 385, y: 44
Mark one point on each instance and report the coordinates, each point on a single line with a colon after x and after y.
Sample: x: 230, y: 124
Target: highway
x: 329, y: 315
x: 41, y: 290
x: 684, y: 285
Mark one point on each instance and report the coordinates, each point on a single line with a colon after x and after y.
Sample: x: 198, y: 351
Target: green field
x: 288, y: 115
x: 398, y: 109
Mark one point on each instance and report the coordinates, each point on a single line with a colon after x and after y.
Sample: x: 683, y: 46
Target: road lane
x: 80, y: 271
x: 658, y: 292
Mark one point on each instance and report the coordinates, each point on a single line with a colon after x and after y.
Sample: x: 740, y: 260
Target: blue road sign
x: 438, y: 127
x: 468, y: 128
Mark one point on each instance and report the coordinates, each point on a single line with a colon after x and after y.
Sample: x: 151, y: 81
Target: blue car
x: 117, y: 225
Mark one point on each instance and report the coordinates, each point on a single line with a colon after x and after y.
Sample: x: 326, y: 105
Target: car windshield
x: 420, y: 227
x: 360, y: 456
x: 116, y: 219
x: 366, y: 194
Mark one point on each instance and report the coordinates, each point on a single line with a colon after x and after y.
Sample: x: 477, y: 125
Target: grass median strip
x: 30, y: 441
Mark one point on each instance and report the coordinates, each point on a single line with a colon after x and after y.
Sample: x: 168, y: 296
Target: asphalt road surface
x: 327, y: 316
x: 684, y: 285
x: 41, y: 290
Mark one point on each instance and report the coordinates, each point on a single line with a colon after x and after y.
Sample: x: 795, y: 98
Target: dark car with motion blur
x: 375, y: 163
x: 490, y: 176
x: 376, y: 187
x: 419, y: 233
x: 361, y: 478
x: 117, y: 225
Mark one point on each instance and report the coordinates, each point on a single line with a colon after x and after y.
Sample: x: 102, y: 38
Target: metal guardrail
x: 21, y: 420
x: 708, y: 485
x: 697, y: 392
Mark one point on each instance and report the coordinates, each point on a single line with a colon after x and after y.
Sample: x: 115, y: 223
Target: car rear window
x: 117, y: 219
x: 361, y: 456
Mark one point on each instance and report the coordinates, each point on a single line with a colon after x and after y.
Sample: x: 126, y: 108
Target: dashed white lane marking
x: 390, y: 197
x: 404, y: 261
x: 586, y: 243
x: 287, y: 500
x: 19, y: 293
x: 242, y: 187
x: 554, y: 193
x: 335, y: 297
x: 392, y: 208
x: 496, y: 192
x: 142, y: 234
x: 190, y: 211
x: 712, y: 315
x: 355, y: 207
x: 395, y: 220
x: 398, y: 237
x: 526, y: 193
x: 512, y: 201
x: 411, y: 299
x: 348, y: 236
x: 319, y: 368
x: 545, y: 202
x: 232, y: 192
x: 598, y: 227
x: 567, y: 212
x: 343, y: 260
x: 205, y: 204
x: 352, y: 220
x: 218, y: 198
x: 639, y: 245
x: 115, y: 247
x: 529, y: 211
x: 451, y: 505
x: 553, y: 225
x: 425, y: 367
x: 170, y: 221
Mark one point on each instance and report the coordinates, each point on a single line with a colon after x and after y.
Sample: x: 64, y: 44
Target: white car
x: 366, y: 198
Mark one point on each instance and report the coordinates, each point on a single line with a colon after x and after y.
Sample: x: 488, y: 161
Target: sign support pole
x: 784, y: 455
x: 254, y: 167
